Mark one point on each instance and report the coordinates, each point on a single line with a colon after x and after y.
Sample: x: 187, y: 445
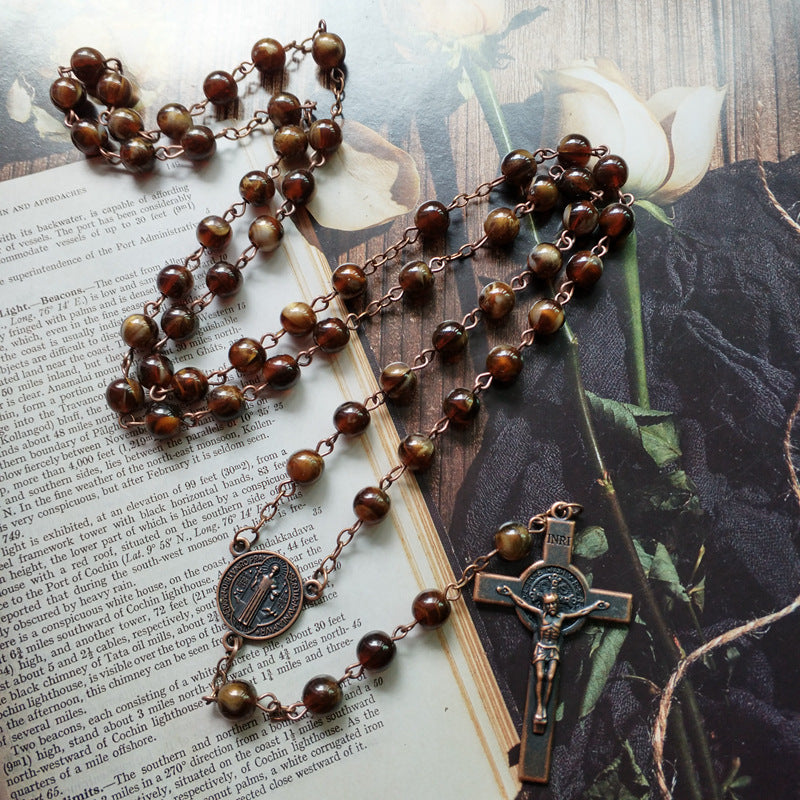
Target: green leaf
x: 655, y: 211
x: 661, y: 442
x: 698, y: 594
x: 591, y: 542
x: 522, y: 19
x: 663, y: 570
x: 602, y: 657
x: 622, y: 779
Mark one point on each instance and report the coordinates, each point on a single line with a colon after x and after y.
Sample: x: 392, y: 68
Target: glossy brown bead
x: 305, y: 466
x: 416, y: 451
x: 399, y: 382
x: 501, y: 226
x: 284, y: 109
x: 351, y: 418
x: 611, y: 172
x: 189, y: 385
x: 124, y: 124
x: 574, y: 150
x: 138, y: 155
x: 139, y: 332
x: 298, y: 319
x: 575, y: 183
x: 298, y: 186
x: 220, y: 87
x: 179, y: 323
x: 89, y: 136
x: 175, y: 282
x: 162, y: 420
x: 512, y: 541
x: 415, y: 279
x: 449, y: 339
x: 237, y: 700
x: 124, y: 395
x: 247, y: 355
x: 213, y: 232
x: 198, y: 143
x: 543, y: 193
x: 268, y: 55
x: 155, y: 370
x: 224, y: 279
x: 266, y: 233
x: 225, y: 402
x: 461, y: 406
x: 584, y: 269
x: 430, y: 609
x: 114, y: 89
x: 546, y: 316
x: 504, y: 363
x: 497, y: 300
x: 174, y: 120
x: 66, y: 93
x: 331, y: 335
x: 88, y: 65
x: 580, y: 217
x: 281, y: 372
x: 432, y: 219
x: 616, y: 221
x: 322, y: 694
x: 371, y: 505
x: 328, y: 50
x: 519, y: 167
x: 545, y: 261
x: 375, y: 651
x: 290, y: 141
x: 325, y: 135
x: 349, y: 280
x: 257, y: 188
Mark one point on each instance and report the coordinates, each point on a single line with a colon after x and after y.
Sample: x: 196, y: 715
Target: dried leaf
x: 19, y: 102
x: 602, y: 657
x: 591, y: 542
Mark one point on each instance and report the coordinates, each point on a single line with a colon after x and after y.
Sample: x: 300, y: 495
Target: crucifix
x: 553, y: 600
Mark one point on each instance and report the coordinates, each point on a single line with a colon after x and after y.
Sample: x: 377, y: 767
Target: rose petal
x: 455, y: 19
x: 48, y: 126
x: 18, y: 102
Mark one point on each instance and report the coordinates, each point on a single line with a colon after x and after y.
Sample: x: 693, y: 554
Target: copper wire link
x: 452, y: 591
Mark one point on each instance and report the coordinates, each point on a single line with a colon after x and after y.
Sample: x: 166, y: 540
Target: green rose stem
x: 633, y: 298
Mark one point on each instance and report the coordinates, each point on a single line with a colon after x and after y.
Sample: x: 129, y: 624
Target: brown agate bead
x: 155, y: 370
x: 175, y: 282
x: 449, y: 339
x: 298, y: 319
x: 138, y: 155
x: 67, y: 93
x: 415, y: 279
x: 546, y: 316
x: 349, y: 280
x: 611, y: 172
x: 328, y: 50
x: 375, y: 650
x: 198, y: 143
x: 220, y: 87
x: 88, y: 65
x: 139, y: 332
x: 280, y: 372
x: 497, y: 300
x: 268, y: 55
x: 351, y: 418
x: 284, y: 109
x: 430, y: 609
x: 512, y: 541
x: 189, y: 385
x: 545, y: 261
x: 399, y: 382
x: 265, y: 233
x: 504, y: 363
x: 416, y: 451
x: 298, y: 186
x: 331, y: 335
x: 224, y: 279
x: 305, y: 466
x: 247, y: 355
x: 543, y: 193
x: 213, y: 232
x: 501, y: 226
x: 89, y: 136
x: 616, y: 221
x: 257, y: 188
x: 371, y: 505
x: 580, y: 217
x: 124, y: 395
x: 574, y: 150
x: 179, y: 323
x: 322, y: 694
x: 162, y: 421
x: 519, y: 167
x: 325, y: 135
x: 237, y: 700
x: 114, y: 89
x: 575, y: 183
x: 432, y: 218
x: 124, y: 124
x: 174, y: 120
x: 225, y: 402
x: 290, y: 141
x: 584, y: 269
x: 461, y: 406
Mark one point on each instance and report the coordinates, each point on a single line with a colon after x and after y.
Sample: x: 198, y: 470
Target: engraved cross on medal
x: 553, y: 600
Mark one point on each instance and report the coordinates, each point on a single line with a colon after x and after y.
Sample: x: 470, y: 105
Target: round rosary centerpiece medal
x: 260, y: 595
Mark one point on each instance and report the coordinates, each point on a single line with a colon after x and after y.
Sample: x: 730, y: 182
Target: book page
x: 112, y: 543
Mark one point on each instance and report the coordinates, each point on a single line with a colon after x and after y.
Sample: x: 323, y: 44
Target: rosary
x: 261, y: 593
